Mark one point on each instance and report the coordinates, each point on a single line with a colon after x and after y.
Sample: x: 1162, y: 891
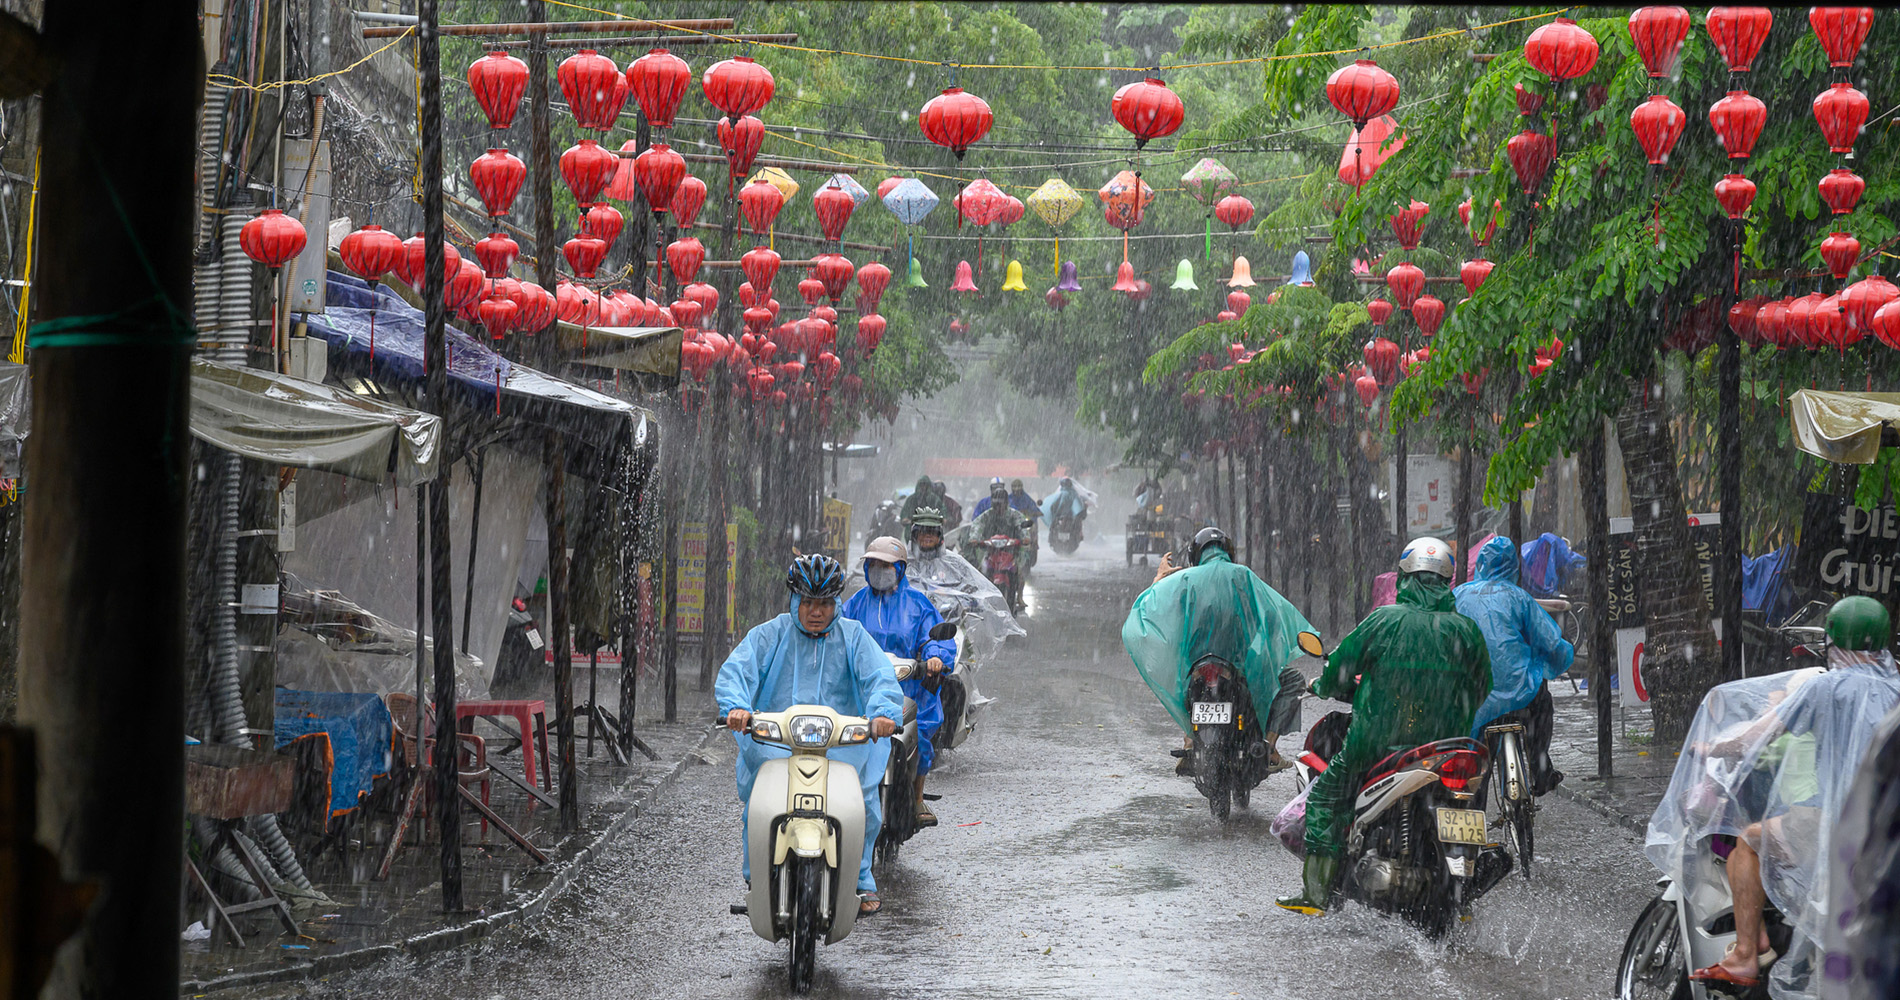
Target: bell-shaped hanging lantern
x: 1054, y: 299
x: 1068, y: 282
x: 1367, y: 150
x: 965, y: 280
x: 1125, y: 277
x: 658, y: 81
x: 914, y: 278
x: 498, y: 81
x: 1184, y: 277
x: 955, y: 120
x: 1243, y: 274
x: 1013, y: 277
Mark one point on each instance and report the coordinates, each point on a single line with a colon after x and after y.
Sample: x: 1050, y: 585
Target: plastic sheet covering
x: 334, y: 644
x: 1770, y: 759
x: 1862, y: 939
x: 1842, y: 426
x: 962, y: 595
x: 287, y: 421
x: 1216, y: 608
x: 654, y: 350
x: 15, y: 416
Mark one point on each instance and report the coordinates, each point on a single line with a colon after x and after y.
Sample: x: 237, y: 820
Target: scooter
x: 1229, y: 754
x: 898, y: 789
x: 805, y: 834
x: 1679, y: 931
x: 999, y: 565
x: 1065, y: 533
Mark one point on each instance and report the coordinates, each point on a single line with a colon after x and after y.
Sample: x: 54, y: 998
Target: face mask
x: 882, y: 577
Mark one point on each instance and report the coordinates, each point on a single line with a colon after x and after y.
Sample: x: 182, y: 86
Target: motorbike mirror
x: 1310, y: 644
x: 943, y: 631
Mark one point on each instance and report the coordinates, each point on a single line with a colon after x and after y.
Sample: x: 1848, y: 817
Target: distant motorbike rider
x: 997, y: 519
x: 1066, y: 501
x: 986, y: 620
x: 1527, y: 649
x: 926, y: 494
x: 996, y: 484
x: 811, y: 656
x: 900, y: 618
x: 952, y: 510
x: 1218, y: 607
x: 1415, y: 673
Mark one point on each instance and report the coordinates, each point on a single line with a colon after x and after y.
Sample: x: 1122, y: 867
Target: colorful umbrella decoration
x: 1208, y: 182
x: 1055, y: 203
x: 910, y: 201
x: 1124, y: 198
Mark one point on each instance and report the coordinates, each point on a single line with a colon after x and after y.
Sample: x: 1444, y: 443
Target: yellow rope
x: 18, y: 354
x: 216, y: 79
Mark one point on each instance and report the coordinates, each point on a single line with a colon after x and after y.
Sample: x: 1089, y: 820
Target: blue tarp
x: 1762, y: 578
x: 362, y: 737
x: 400, y: 330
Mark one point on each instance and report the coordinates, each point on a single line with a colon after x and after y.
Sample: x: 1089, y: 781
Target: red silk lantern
x: 1658, y: 123
x: 1738, y: 33
x: 761, y: 268
x: 1413, y: 360
x: 706, y: 295
x: 688, y: 199
x: 534, y: 308
x: 1738, y: 119
x: 370, y: 252
x: 498, y: 80
x: 1474, y: 381
x: 1657, y: 33
x: 576, y: 304
x: 1841, y: 252
x: 835, y: 271
x: 498, y: 315
x: 1841, y: 31
x: 658, y: 170
x: 1561, y: 50
x: 1771, y: 323
x: 1407, y: 223
x: 272, y: 238
x: 658, y: 81
x: 833, y: 205
x: 1362, y: 91
x: 1234, y: 211
x: 1490, y: 228
x: 873, y: 278
x: 884, y: 186
x: 1382, y: 360
x: 811, y: 290
x: 1225, y: 315
x: 587, y: 168
x: 955, y: 120
x: 1239, y: 301
x: 1368, y: 389
x: 1800, y: 322
x: 737, y: 86
x: 1841, y: 190
x: 759, y: 384
x: 1862, y: 299
x: 1147, y: 109
x: 870, y: 332
x: 1380, y: 310
x: 497, y: 176
x: 747, y: 296
x: 1125, y: 199
x: 760, y: 202
x: 1054, y: 299
x: 980, y: 202
x: 1840, y: 110
x: 1528, y: 101
x: 1827, y: 325
x: 602, y: 222
x: 1741, y: 319
x: 1010, y: 211
x: 1531, y: 154
x: 1886, y: 324
x: 740, y: 138
x: 409, y: 265
x: 465, y: 287
x: 584, y: 254
x: 1366, y: 150
x: 1735, y: 192
x: 1473, y: 273
x: 684, y: 258
x: 1429, y: 312
x: 686, y: 312
x: 497, y: 252
x: 758, y: 320
x: 593, y: 88
x: 1406, y: 282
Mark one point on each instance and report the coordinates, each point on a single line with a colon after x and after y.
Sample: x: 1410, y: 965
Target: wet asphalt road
x: 1071, y: 862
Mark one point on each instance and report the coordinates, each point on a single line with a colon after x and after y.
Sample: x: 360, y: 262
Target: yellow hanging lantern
x: 1013, y: 279
x: 1055, y: 203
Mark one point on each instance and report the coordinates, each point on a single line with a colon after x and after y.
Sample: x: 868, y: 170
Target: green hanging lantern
x: 1184, y: 277
x: 916, y: 278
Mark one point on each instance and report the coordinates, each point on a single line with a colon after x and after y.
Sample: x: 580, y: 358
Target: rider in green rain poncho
x: 1422, y: 669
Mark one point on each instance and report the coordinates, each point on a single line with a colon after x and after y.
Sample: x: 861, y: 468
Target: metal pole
x: 541, y: 28
x: 541, y: 154
x: 1728, y: 435
x: 1592, y: 471
x: 556, y: 459
x: 474, y: 541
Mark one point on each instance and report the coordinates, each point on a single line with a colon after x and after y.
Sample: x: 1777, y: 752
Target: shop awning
x: 1848, y: 427
x: 649, y: 350
x: 288, y: 421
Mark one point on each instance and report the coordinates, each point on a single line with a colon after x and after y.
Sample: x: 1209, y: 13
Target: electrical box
x: 309, y: 358
x: 307, y: 195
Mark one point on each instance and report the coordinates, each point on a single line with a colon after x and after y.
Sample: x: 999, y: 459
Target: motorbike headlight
x: 855, y: 733
x: 766, y: 729
x: 811, y: 730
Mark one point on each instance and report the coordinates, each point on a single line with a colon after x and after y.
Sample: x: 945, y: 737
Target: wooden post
x: 1591, y: 469
x: 713, y: 636
x: 541, y: 169
x: 554, y: 456
x: 1728, y: 463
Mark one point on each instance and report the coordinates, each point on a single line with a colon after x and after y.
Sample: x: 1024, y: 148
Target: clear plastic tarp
x: 288, y: 421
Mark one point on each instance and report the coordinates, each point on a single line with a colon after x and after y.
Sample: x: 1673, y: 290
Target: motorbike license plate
x: 534, y: 638
x: 1461, y: 826
x: 1213, y: 713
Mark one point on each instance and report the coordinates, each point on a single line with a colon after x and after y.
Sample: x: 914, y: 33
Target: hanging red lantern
x: 1561, y: 50
x: 602, y: 222
x: 498, y: 80
x: 497, y: 176
x: 684, y: 258
x: 584, y: 254
x: 658, y: 81
x: 587, y: 168
x: 1239, y: 302
x: 1738, y: 119
x: 658, y: 170
x: 1428, y: 311
x: 687, y: 200
x: 1531, y: 154
x: 1010, y: 211
x: 1226, y: 315
x: 1490, y: 229
x: 1382, y: 360
x: 966, y: 280
x: 1362, y: 91
x: 1474, y: 381
x: 1738, y: 33
x: 1741, y: 319
x: 1771, y: 323
x: 873, y: 278
x: 1233, y: 211
x: 811, y: 290
x: 1379, y: 310
x: 955, y: 120
x: 759, y: 384
x: 1840, y: 110
x: 737, y: 86
x: 685, y: 313
x: 497, y: 315
x: 980, y: 202
x: 706, y: 295
x: 1657, y: 33
x: 1124, y: 278
x: 870, y: 332
x: 465, y: 286
x: 1147, y: 109
x: 1841, y: 31
x: 1473, y: 273
x: 1368, y: 389
x: 497, y: 252
x: 1406, y: 282
x: 1841, y: 252
x: 272, y: 238
x: 593, y: 88
x: 740, y: 138
x: 758, y: 320
x: 835, y: 272
x: 1862, y: 299
x: 1054, y: 299
x: 534, y: 308
x: 747, y: 296
x: 1841, y: 189
x: 1800, y: 321
x: 370, y: 252
x: 1828, y: 327
x: 760, y: 202
x: 1735, y: 192
x: 833, y: 205
x: 1407, y: 223
x: 1886, y: 324
x: 761, y: 268
x: 1528, y: 101
x: 1413, y: 359
x: 1658, y: 123
x: 576, y: 304
x: 409, y: 265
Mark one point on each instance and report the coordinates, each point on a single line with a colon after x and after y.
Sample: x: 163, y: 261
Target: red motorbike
x: 999, y: 565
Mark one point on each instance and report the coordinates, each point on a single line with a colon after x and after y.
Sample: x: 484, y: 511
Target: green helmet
x: 1859, y: 623
x: 926, y: 517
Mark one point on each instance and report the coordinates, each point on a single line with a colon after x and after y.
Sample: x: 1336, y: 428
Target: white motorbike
x: 1690, y: 927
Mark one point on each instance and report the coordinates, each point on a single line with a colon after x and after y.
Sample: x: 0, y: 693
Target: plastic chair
x: 471, y: 768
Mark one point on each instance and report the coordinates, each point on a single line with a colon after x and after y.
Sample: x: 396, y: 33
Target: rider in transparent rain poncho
x: 1766, y: 767
x: 1862, y: 940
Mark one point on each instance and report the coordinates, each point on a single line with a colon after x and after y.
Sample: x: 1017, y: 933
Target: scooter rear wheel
x: 805, y: 905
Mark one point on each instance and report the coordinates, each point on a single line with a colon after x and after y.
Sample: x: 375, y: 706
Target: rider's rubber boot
x: 1316, y: 884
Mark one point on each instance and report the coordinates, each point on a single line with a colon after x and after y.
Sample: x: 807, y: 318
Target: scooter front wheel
x: 1652, y: 967
x: 803, y: 958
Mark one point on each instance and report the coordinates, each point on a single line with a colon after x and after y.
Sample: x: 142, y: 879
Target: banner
x: 838, y: 528
x: 1847, y: 549
x: 691, y: 610
x: 1626, y: 597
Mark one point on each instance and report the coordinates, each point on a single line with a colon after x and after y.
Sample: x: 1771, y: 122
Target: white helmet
x: 1429, y: 555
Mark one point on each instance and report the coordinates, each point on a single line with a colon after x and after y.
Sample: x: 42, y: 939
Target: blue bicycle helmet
x: 815, y: 575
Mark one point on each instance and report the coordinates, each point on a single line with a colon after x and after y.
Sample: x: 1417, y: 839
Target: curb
x: 1604, y: 809
x: 445, y: 938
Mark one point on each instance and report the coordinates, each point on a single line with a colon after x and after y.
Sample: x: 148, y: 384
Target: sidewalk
x: 1640, y: 770
x: 370, y: 921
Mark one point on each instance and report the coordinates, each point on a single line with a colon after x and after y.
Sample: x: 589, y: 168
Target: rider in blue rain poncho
x: 1527, y: 649
x: 900, y: 617
x: 812, y: 656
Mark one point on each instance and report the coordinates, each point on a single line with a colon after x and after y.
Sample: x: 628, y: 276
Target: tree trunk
x: 1680, y: 660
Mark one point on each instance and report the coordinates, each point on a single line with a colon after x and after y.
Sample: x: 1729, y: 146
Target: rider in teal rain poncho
x: 1527, y: 649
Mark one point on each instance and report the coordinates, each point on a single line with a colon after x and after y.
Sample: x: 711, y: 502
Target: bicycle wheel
x: 1517, y: 790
